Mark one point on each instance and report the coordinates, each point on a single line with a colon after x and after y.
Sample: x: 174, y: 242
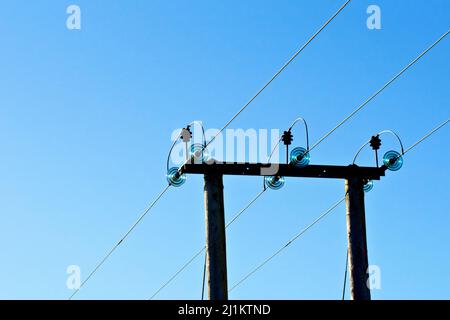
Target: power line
x: 245, y: 208
x: 378, y: 92
x: 345, y: 276
x: 426, y: 136
x: 279, y: 71
x: 177, y: 273
x: 229, y: 223
x: 204, y: 276
x: 323, y: 215
x: 110, y: 252
x: 192, y: 259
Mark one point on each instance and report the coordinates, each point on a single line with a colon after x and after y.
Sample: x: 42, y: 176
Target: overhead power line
x: 192, y: 259
x: 345, y: 276
x: 426, y: 136
x: 245, y: 208
x: 302, y: 232
x: 373, y: 96
x: 204, y: 277
x: 110, y: 252
x: 280, y: 71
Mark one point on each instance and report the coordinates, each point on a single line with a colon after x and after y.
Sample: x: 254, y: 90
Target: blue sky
x: 86, y: 118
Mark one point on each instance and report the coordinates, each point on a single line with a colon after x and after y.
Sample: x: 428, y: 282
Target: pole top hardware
x: 375, y: 142
x: 287, y: 137
x: 186, y: 134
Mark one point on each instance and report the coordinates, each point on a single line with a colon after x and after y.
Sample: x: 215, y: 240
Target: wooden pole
x: 357, y: 241
x: 216, y: 261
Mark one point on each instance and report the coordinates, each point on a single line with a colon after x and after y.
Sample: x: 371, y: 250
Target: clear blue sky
x: 85, y: 124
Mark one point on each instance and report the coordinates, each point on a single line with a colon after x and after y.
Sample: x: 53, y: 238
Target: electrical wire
x: 345, y: 277
x: 204, y: 277
x: 245, y: 208
x: 373, y: 96
x: 303, y: 231
x: 110, y: 252
x: 280, y: 71
x: 290, y: 128
x: 426, y: 136
x: 306, y: 129
x: 379, y: 134
x: 177, y: 273
x: 192, y: 259
x: 141, y: 217
x: 180, y: 134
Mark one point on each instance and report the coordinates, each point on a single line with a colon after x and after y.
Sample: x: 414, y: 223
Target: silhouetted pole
x: 357, y: 241
x: 354, y: 176
x: 216, y: 261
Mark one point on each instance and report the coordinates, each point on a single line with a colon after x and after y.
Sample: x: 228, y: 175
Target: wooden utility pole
x: 357, y: 241
x: 216, y: 261
x: 354, y: 176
